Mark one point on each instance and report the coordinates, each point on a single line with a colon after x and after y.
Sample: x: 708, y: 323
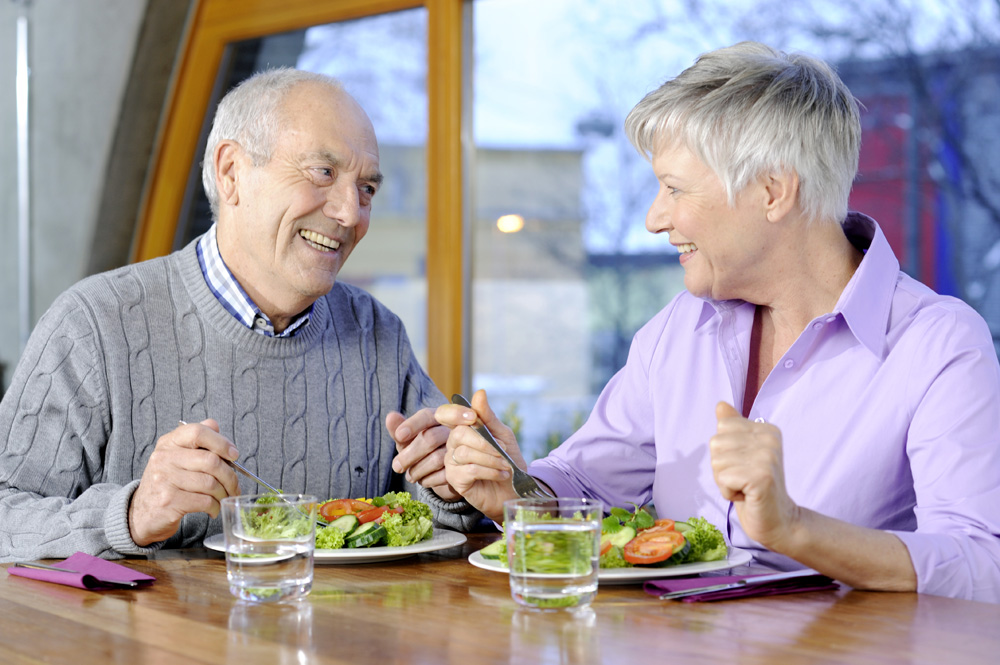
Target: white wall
x: 80, y: 52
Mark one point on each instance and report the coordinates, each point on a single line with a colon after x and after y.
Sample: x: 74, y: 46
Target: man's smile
x: 319, y: 241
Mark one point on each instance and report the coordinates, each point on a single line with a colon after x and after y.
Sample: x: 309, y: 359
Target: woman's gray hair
x: 748, y: 110
x: 250, y: 114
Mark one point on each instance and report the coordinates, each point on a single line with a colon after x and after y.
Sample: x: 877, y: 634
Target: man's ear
x: 227, y: 162
x: 782, y: 194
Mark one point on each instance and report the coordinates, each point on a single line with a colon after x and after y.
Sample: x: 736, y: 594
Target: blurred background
x: 542, y: 221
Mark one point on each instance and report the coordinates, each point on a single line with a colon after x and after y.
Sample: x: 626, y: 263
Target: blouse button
x: 789, y: 363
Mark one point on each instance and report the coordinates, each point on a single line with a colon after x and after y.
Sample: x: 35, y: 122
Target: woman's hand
x: 749, y: 470
x: 472, y: 466
x: 748, y: 465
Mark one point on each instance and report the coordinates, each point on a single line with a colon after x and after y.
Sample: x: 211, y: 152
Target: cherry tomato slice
x: 388, y: 511
x: 653, y: 545
x: 331, y: 510
x: 664, y: 522
x: 606, y: 547
x: 377, y: 514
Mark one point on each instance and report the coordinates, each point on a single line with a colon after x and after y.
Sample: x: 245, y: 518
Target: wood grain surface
x: 437, y: 608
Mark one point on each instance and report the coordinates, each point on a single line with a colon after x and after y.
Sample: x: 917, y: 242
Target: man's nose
x: 343, y: 204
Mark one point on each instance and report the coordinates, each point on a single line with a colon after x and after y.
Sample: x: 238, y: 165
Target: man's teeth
x: 686, y: 247
x: 319, y: 241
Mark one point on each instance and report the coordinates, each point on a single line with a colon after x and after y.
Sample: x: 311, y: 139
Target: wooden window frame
x: 215, y: 23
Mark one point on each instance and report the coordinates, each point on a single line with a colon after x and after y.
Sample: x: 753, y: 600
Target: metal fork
x: 257, y: 479
x: 525, y: 486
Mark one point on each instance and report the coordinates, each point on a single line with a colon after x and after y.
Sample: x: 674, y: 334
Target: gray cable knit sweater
x: 122, y: 356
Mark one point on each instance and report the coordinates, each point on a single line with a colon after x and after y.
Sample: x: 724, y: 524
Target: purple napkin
x: 89, y: 573
x: 774, y: 585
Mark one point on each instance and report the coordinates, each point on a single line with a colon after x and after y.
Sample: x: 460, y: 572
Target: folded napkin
x: 743, y: 586
x: 87, y: 572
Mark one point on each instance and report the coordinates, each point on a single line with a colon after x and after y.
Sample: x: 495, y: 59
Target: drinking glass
x: 270, y: 541
x: 553, y: 551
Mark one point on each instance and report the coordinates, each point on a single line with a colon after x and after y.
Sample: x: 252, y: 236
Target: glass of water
x: 270, y: 541
x: 553, y: 551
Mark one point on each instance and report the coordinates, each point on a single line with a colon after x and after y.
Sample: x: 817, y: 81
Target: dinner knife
x: 750, y: 581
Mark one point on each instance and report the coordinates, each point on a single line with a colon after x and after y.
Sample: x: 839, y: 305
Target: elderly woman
x: 821, y: 407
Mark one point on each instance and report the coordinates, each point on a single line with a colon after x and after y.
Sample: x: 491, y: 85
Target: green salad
x: 395, y: 519
x: 629, y: 538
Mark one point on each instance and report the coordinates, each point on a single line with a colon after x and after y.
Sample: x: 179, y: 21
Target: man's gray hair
x: 250, y: 114
x: 748, y: 110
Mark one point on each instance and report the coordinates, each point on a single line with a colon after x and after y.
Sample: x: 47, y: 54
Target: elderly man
x: 245, y: 334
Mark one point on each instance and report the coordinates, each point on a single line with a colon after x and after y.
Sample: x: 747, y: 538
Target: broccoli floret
x: 329, y: 538
x: 613, y: 559
x: 707, y: 542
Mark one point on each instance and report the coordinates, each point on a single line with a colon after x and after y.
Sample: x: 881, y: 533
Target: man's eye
x: 323, y: 172
x: 369, y: 190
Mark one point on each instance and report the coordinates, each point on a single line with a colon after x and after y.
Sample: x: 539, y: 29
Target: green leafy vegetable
x: 613, y: 559
x: 403, y: 529
x: 269, y: 519
x: 611, y: 524
x: 639, y: 519
x: 409, y: 527
x: 409, y: 505
x: 707, y: 542
x: 329, y: 538
x: 555, y: 551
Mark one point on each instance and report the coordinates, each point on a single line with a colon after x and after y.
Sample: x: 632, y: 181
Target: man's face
x: 292, y: 222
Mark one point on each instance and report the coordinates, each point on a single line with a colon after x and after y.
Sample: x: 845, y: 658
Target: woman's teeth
x: 686, y: 247
x: 319, y: 241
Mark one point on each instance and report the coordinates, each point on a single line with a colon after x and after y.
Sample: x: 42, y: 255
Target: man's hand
x: 186, y: 473
x: 748, y: 466
x: 472, y: 466
x: 420, y: 442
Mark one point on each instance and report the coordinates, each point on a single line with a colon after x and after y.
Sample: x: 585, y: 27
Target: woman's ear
x: 227, y: 162
x: 782, y: 194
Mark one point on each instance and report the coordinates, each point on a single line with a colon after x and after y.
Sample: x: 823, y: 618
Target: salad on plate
x: 637, y: 539
x: 394, y: 519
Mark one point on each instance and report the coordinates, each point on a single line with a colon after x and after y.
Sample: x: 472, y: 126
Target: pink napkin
x: 769, y: 585
x: 89, y: 573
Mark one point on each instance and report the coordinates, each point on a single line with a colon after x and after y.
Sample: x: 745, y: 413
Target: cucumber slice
x: 346, y: 523
x: 366, y: 535
x: 620, y: 537
x: 495, y: 550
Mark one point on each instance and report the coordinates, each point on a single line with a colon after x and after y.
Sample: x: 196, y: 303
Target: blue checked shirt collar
x: 232, y: 296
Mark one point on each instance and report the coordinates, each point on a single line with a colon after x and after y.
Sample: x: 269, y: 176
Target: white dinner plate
x: 635, y: 575
x: 442, y: 540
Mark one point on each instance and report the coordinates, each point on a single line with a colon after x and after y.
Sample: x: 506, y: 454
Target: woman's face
x: 722, y: 247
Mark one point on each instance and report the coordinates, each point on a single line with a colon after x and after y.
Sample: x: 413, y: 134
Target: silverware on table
x: 102, y: 580
x: 525, y: 486
x: 747, y: 582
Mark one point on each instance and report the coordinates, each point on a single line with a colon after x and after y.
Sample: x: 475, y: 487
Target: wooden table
x: 437, y: 608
